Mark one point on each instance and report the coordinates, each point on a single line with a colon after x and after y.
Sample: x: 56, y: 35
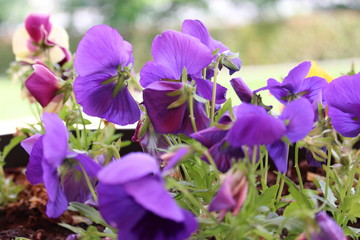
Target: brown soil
x: 26, y: 217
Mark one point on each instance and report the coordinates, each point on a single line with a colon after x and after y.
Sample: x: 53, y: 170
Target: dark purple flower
x: 220, y: 150
x: 133, y: 199
x: 197, y: 29
x: 47, y: 154
x: 329, y: 229
x: 231, y: 195
x: 343, y: 97
x: 296, y: 85
x: 168, y: 90
x: 242, y: 90
x: 103, y: 62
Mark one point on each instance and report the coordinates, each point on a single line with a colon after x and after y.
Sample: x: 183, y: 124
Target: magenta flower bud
x: 241, y: 89
x: 42, y: 84
x: 38, y: 26
x: 231, y: 195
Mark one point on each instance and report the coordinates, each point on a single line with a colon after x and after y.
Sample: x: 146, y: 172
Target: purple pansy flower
x: 329, y: 229
x: 298, y: 117
x: 220, y: 150
x: 254, y: 126
x: 168, y: 92
x: 197, y: 29
x: 296, y: 85
x: 133, y: 199
x: 343, y: 97
x: 47, y: 153
x: 103, y: 62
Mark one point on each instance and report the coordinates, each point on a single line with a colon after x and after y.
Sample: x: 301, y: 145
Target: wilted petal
x: 55, y: 140
x: 102, y: 50
x: 278, y: 151
x: 300, y: 116
x: 42, y: 84
x: 38, y: 26
x: 150, y: 193
x: 241, y: 89
x: 130, y: 167
x: 176, y: 51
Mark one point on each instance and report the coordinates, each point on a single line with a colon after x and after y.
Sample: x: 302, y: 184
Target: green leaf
x: 300, y: 198
x: 227, y: 106
x: 13, y: 143
x: 88, y: 212
x: 290, y: 209
x: 74, y: 229
x: 268, y: 196
x: 331, y: 199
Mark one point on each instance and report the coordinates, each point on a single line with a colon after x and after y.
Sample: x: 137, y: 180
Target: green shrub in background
x: 325, y: 35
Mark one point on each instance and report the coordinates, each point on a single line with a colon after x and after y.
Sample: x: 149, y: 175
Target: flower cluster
x: 204, y: 157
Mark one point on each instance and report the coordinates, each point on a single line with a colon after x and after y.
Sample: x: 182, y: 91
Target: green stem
x: 191, y: 198
x: 297, y: 168
x: 281, y: 187
x: 212, y: 163
x: 328, y: 163
x: 213, y: 97
x: 191, y: 108
x: 88, y: 182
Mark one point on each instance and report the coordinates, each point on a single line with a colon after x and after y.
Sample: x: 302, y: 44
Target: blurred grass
x: 14, y: 107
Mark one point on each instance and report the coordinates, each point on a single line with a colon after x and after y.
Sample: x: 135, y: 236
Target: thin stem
x: 328, y: 163
x: 213, y: 97
x: 281, y: 187
x: 88, y: 182
x: 212, y: 162
x: 298, y: 172
x: 191, y: 108
x: 191, y: 198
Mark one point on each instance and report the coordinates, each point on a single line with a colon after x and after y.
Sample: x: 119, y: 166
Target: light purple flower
x: 296, y: 85
x: 197, y: 29
x: 133, y: 199
x: 343, y: 97
x: 103, y: 62
x: 47, y: 154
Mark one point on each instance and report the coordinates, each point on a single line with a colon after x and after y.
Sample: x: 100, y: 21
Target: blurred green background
x: 262, y: 31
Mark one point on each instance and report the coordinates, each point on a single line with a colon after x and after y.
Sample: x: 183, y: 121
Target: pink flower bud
x: 38, y: 26
x: 42, y: 84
